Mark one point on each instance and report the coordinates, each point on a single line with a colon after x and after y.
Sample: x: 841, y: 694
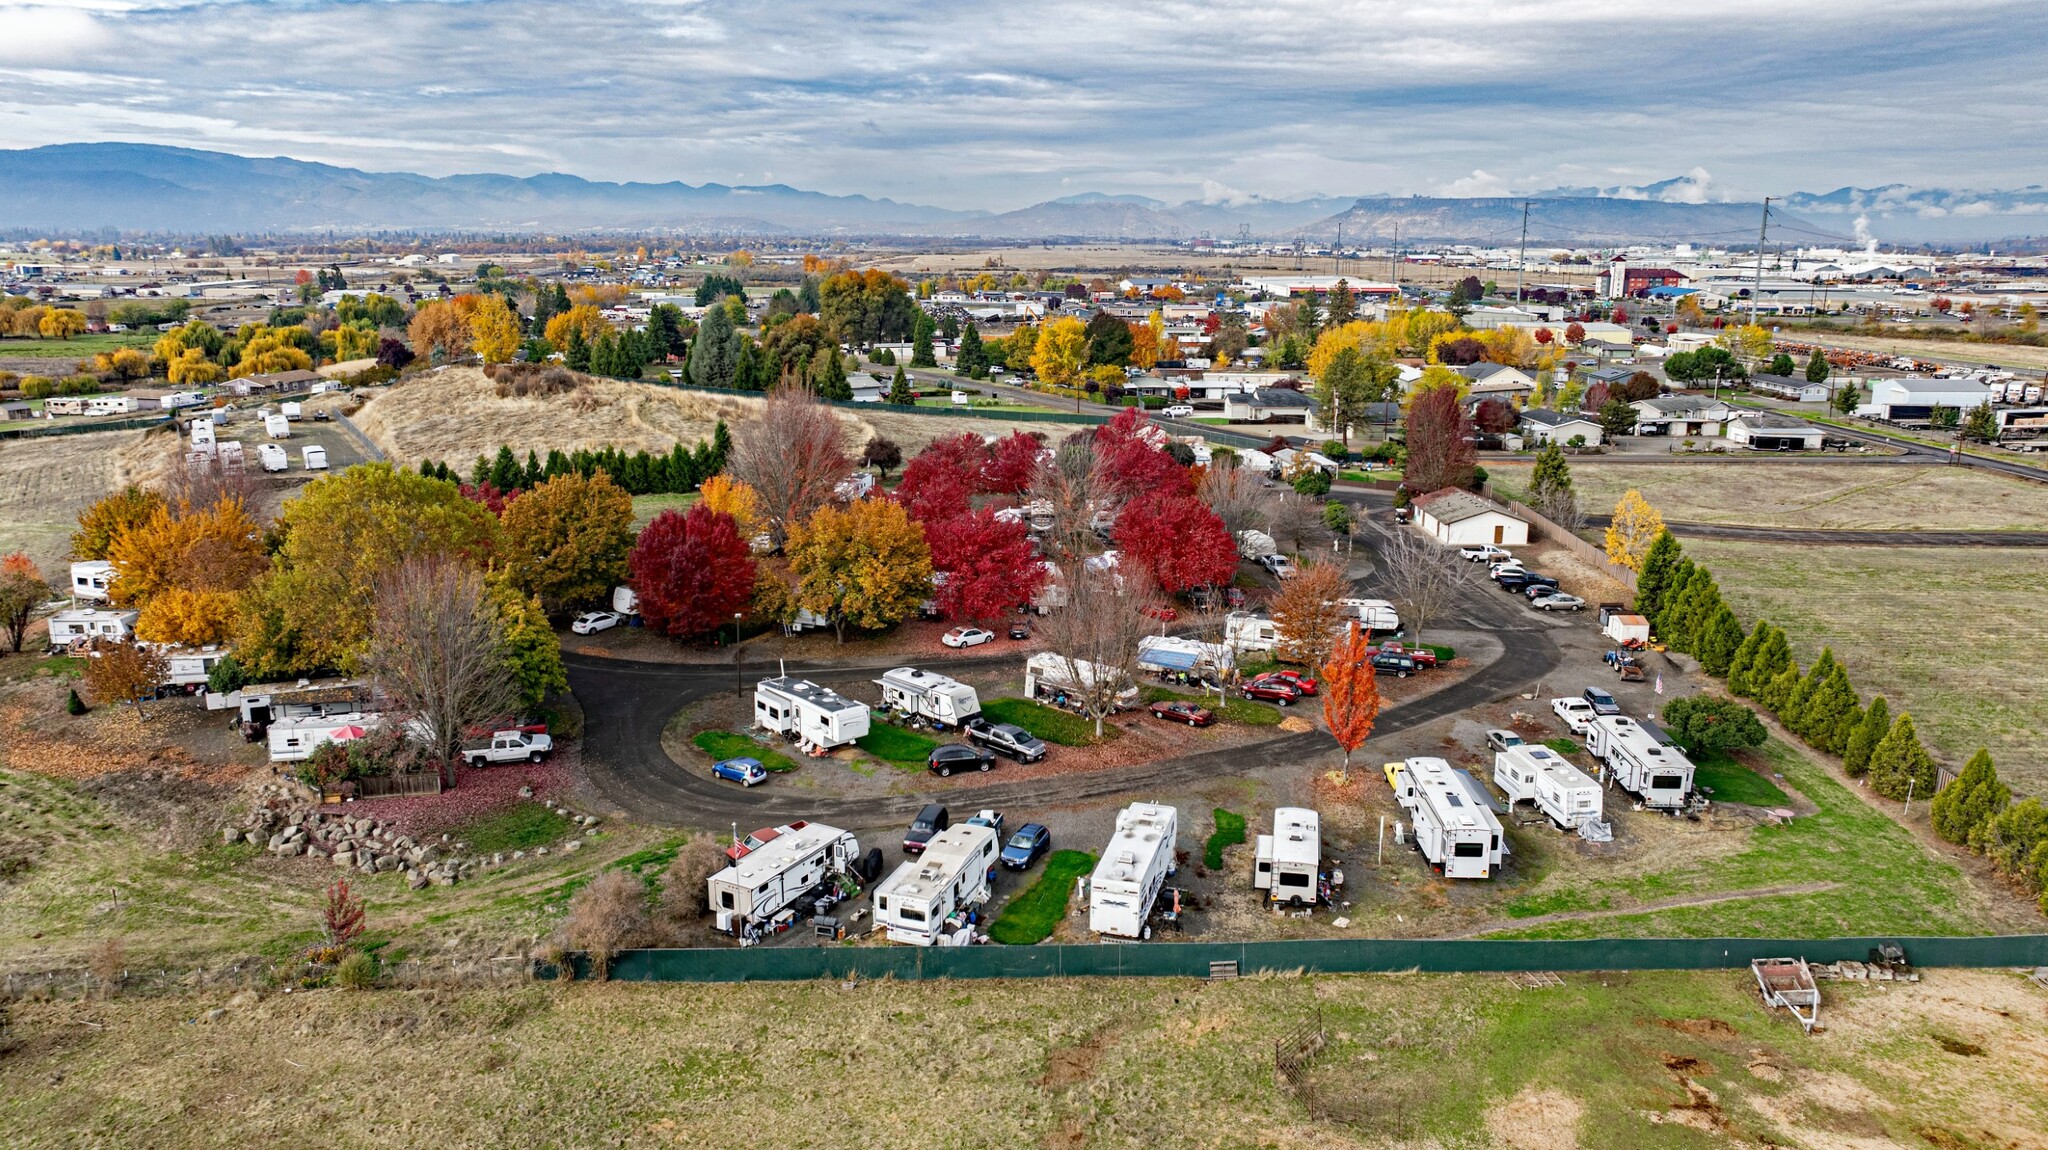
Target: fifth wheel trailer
x: 1049, y: 676
x: 766, y: 881
x: 1541, y: 776
x: 1640, y: 763
x: 927, y: 901
x: 1288, y: 864
x: 1453, y: 829
x: 1133, y: 868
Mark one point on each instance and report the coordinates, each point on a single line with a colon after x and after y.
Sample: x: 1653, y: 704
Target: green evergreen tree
x: 1745, y: 655
x: 715, y: 353
x: 481, y: 473
x: 1817, y: 369
x: 1781, y: 364
x: 505, y: 470
x: 73, y: 705
x: 2015, y: 840
x: 1773, y: 658
x: 533, y: 474
x: 950, y: 327
x: 721, y: 451
x: 1900, y: 765
x: 1792, y: 712
x: 1828, y: 703
x: 832, y: 382
x: 1780, y: 688
x: 1718, y: 641
x: 971, y: 360
x: 1658, y: 562
x: 899, y: 389
x: 1551, y: 473
x: 576, y: 356
x: 1964, y: 807
x: 557, y: 464
x: 921, y: 342
x: 1981, y: 424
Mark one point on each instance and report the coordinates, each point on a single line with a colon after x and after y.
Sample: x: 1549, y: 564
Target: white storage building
x: 1769, y: 431
x: 1455, y: 517
x: 1913, y: 399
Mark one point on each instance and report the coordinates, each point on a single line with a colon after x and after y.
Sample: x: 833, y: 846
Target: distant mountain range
x: 145, y: 187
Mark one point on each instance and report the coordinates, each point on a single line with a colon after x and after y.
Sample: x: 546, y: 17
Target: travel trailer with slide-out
x: 1134, y: 866
x: 92, y: 579
x: 926, y: 902
x: 1454, y: 828
x: 928, y: 695
x: 294, y: 739
x: 1050, y: 676
x: 765, y: 882
x: 1641, y: 763
x: 1539, y: 775
x: 812, y: 716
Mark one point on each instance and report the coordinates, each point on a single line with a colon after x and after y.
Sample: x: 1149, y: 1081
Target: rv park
x: 810, y: 602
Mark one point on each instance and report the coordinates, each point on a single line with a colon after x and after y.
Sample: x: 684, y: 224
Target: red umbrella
x: 344, y: 734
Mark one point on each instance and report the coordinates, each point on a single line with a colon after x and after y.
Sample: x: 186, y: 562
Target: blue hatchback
x: 745, y: 772
x: 1024, y: 847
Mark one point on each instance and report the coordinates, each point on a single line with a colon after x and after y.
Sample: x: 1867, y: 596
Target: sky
x: 1003, y: 105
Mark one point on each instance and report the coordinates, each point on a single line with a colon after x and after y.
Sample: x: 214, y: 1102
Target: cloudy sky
x: 1001, y: 105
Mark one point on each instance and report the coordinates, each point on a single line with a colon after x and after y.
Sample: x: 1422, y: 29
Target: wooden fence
x: 384, y: 786
x: 1542, y: 525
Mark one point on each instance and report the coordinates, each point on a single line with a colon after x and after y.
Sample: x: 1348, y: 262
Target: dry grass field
x: 1645, y: 1061
x: 1948, y: 634
x: 45, y: 482
x: 456, y: 414
x: 1841, y: 496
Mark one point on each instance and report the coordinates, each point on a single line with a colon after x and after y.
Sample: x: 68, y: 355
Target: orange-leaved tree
x: 1351, y: 691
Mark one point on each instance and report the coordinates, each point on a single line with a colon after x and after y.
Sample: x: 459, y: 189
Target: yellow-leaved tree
x: 866, y: 564
x: 583, y: 318
x: 1635, y: 527
x: 494, y: 330
x: 726, y: 495
x: 1062, y: 349
x: 267, y: 351
x: 438, y: 332
x: 186, y: 569
x: 191, y: 368
x: 62, y: 323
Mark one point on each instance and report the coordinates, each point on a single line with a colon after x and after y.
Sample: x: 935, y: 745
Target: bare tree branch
x: 1099, y: 628
x: 1423, y: 577
x: 437, y: 654
x: 792, y: 456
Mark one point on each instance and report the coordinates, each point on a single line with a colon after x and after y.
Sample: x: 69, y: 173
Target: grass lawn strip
x: 723, y: 745
x: 1061, y: 728
x: 1251, y: 714
x: 1229, y: 832
x: 1030, y: 917
x: 895, y: 745
x: 522, y: 827
x: 1734, y: 783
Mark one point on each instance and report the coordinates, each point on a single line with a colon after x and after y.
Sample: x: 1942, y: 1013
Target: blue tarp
x: 1169, y: 660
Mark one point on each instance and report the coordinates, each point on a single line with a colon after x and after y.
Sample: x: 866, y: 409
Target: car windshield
x: 1602, y: 697
x: 1023, y: 840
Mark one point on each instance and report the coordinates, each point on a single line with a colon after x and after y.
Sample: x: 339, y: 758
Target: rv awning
x: 1169, y: 660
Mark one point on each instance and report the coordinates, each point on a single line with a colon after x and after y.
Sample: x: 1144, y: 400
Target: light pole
x: 736, y: 691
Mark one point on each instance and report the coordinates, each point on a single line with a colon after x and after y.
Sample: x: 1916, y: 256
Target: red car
x: 1165, y: 613
x: 1279, y: 692
x: 1300, y: 682
x: 1178, y: 712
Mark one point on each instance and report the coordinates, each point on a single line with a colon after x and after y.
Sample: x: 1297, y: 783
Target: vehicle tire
x: 946, y: 772
x: 1191, y: 722
x: 1281, y: 702
x: 534, y: 757
x: 985, y: 765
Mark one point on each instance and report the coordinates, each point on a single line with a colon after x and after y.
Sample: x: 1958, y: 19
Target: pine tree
x: 576, y: 356
x: 899, y: 389
x: 533, y: 474
x: 1719, y: 641
x: 1792, y: 712
x: 1658, y: 562
x: 1822, y: 724
x: 1745, y: 655
x: 1781, y: 687
x: 921, y: 342
x: 832, y: 382
x: 1963, y: 807
x: 1817, y: 367
x: 481, y: 473
x: 557, y: 464
x: 1667, y: 597
x: 1773, y: 658
x: 505, y: 470
x: 721, y: 451
x: 1980, y: 424
x: 1877, y: 722
x: 1900, y: 765
x: 971, y: 360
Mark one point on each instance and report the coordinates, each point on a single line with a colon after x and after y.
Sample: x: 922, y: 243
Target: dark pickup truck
x: 1005, y: 739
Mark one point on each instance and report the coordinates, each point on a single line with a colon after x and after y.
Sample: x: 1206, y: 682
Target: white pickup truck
x: 509, y: 747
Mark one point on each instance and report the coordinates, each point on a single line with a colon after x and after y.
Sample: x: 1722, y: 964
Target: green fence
x: 42, y: 427
x: 1329, y: 956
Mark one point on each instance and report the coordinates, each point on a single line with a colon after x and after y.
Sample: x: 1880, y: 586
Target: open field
x: 456, y: 415
x: 1645, y: 1061
x: 1841, y: 496
x: 2007, y: 355
x: 46, y: 481
x: 55, y: 356
x: 1945, y: 635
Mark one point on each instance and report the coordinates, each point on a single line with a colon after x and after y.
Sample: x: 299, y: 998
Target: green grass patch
x: 1555, y: 902
x: 1229, y: 832
x: 1232, y: 710
x: 1563, y: 746
x: 1030, y: 917
x: 521, y: 827
x: 1061, y: 728
x: 722, y: 745
x: 646, y: 507
x: 1734, y: 783
x: 79, y: 346
x: 895, y: 745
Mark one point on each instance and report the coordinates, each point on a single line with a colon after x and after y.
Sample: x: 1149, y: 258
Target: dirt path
x: 1651, y: 907
x: 1843, y: 537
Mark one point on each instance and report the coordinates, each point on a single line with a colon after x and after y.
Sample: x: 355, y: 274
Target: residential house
x: 1497, y: 381
x: 1791, y: 387
x: 1272, y: 405
x: 1455, y: 517
x: 1770, y: 431
x: 1687, y: 416
x: 1542, y: 425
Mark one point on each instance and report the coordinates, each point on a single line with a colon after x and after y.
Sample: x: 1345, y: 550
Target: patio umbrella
x: 344, y: 734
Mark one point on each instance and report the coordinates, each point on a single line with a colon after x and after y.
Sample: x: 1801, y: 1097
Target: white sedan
x: 1576, y: 713
x: 967, y: 637
x: 1558, y: 601
x: 591, y: 622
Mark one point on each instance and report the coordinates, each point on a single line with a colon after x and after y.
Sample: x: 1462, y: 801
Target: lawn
x: 1061, y: 728
x: 1229, y: 832
x: 78, y: 347
x: 523, y: 827
x: 1938, y: 632
x: 1732, y: 782
x: 1232, y: 709
x: 722, y: 745
x: 646, y: 507
x: 1030, y: 917
x: 1883, y: 882
x: 896, y: 745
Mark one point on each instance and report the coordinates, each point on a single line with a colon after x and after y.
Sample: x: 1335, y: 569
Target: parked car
x: 1020, y: 630
x: 1178, y: 411
x: 1425, y: 658
x: 993, y: 820
x: 1295, y: 679
x: 1522, y: 581
x: 929, y: 821
x: 1485, y: 552
x: 1164, y: 612
x: 1576, y: 713
x: 1501, y: 740
x: 1024, y: 847
x: 591, y: 622
x: 1179, y: 711
x: 1404, y: 514
x: 745, y: 772
x: 967, y: 637
x: 1005, y: 739
x: 1275, y: 691
x: 949, y: 757
x: 1557, y: 601
x: 1510, y: 563
x: 1397, y: 663
x: 1280, y: 565
x: 1601, y: 702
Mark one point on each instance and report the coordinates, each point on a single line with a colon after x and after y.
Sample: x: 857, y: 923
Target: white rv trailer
x: 763, y: 882
x: 1244, y: 632
x: 1540, y: 775
x: 925, y: 903
x: 816, y: 718
x: 315, y: 458
x: 294, y: 739
x: 1047, y: 674
x: 92, y: 579
x: 1133, y: 868
x: 1375, y: 615
x: 277, y: 427
x: 1453, y: 829
x: 82, y: 623
x: 1288, y: 863
x: 190, y: 668
x: 1172, y: 653
x: 1640, y: 763
x: 272, y: 457
x: 203, y: 440
x: 944, y: 701
x: 624, y: 601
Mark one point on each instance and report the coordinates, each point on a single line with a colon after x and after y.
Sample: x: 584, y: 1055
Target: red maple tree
x: 988, y: 564
x: 1440, y: 448
x: 1012, y: 464
x: 1133, y: 458
x: 1178, y: 541
x: 1494, y: 415
x: 1351, y: 691
x: 488, y: 495
x: 692, y: 571
x: 1574, y: 333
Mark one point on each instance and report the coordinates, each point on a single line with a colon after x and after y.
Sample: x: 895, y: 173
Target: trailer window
x: 1265, y: 868
x: 911, y: 914
x: 1293, y: 880
x: 725, y: 899
x: 1664, y: 783
x: 1469, y: 850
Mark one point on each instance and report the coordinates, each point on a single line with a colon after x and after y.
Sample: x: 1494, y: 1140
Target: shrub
x: 341, y: 914
x: 684, y: 895
x: 606, y: 917
x: 1314, y: 482
x: 358, y: 971
x: 108, y: 961
x: 73, y: 705
x: 1704, y: 723
x: 1963, y: 807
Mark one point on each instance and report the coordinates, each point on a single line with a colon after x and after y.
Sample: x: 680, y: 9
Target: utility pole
x: 1756, y: 290
x: 1337, y: 253
x: 1394, y: 260
x: 1522, y: 254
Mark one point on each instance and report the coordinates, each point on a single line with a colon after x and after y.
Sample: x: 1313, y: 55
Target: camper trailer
x: 1375, y: 615
x: 1049, y: 676
x: 1246, y: 633
x: 291, y: 411
x: 927, y: 901
x: 624, y: 601
x: 315, y: 458
x: 1255, y: 545
x: 92, y: 579
x: 272, y: 457
x: 277, y: 426
x: 1288, y: 864
x: 189, y: 669
x: 930, y: 696
x: 260, y: 705
x: 1133, y: 868
x: 1539, y: 775
x: 1640, y: 763
x: 83, y: 623
x: 1454, y: 829
x: 202, y: 435
x: 1167, y: 654
x: 763, y: 884
x: 294, y: 739
x: 809, y: 715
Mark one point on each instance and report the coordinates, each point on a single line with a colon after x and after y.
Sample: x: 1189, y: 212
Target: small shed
x: 1455, y: 517
x: 1769, y: 431
x: 1623, y: 628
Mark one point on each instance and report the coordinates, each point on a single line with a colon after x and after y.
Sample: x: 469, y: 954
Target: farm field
x: 1646, y: 1061
x: 1933, y: 630
x: 1840, y: 496
x: 46, y: 481
x: 60, y: 352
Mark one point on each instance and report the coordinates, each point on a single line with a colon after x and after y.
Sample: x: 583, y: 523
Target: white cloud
x: 1479, y: 183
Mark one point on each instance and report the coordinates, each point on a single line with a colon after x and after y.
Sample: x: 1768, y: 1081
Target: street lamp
x: 736, y: 691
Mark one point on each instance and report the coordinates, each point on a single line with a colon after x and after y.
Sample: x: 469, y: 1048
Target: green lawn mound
x: 1031, y: 916
x: 1061, y: 728
x: 722, y: 745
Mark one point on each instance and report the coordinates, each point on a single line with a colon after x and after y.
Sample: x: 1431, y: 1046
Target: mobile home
x: 1287, y: 864
x: 814, y: 717
x: 1539, y: 775
x: 1640, y: 763
x: 92, y: 579
x: 83, y: 623
x: 1454, y: 829
x: 294, y: 739
x: 764, y: 883
x: 941, y: 701
x: 1049, y: 676
x: 928, y: 900
x: 1133, y: 868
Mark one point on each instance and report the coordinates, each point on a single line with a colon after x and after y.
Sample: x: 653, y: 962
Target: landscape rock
x: 526, y: 792
x: 287, y: 850
x: 573, y: 845
x: 540, y: 850
x: 518, y: 854
x: 387, y: 863
x: 216, y: 1014
x: 230, y: 835
x: 344, y: 858
x: 415, y: 879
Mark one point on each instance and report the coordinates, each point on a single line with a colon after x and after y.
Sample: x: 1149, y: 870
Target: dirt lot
x: 1843, y: 496
x: 45, y: 482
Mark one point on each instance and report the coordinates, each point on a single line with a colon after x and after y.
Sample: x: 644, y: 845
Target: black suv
x: 949, y: 757
x: 929, y: 821
x: 1005, y: 739
x: 1522, y: 581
